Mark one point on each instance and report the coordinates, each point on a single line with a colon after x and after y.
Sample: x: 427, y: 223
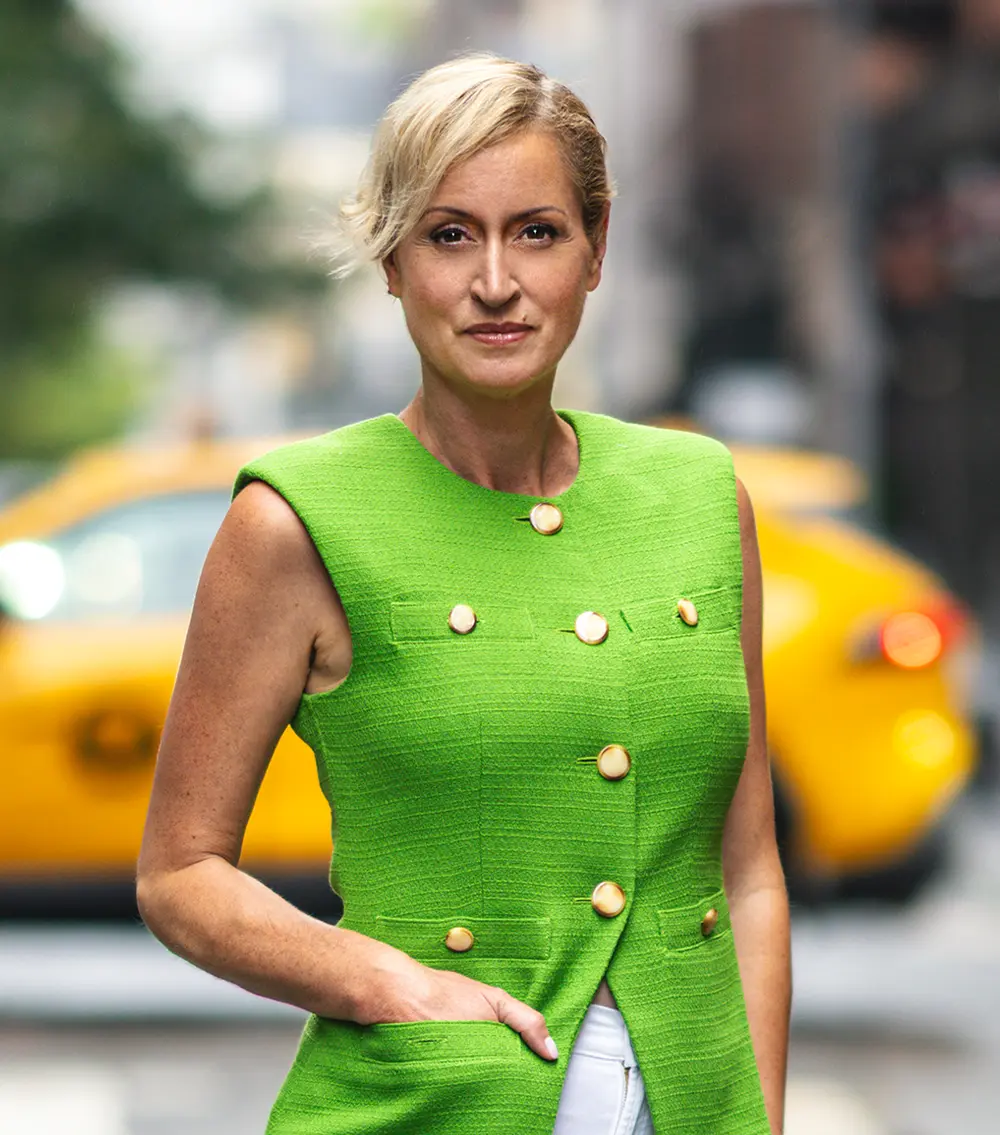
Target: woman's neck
x: 515, y: 445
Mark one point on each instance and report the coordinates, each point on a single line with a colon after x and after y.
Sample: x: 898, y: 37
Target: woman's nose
x: 494, y: 284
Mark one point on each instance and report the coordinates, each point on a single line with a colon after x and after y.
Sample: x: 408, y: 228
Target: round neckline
x: 568, y: 416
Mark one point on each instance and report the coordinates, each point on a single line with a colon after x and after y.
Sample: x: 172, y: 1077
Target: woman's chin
x: 504, y: 379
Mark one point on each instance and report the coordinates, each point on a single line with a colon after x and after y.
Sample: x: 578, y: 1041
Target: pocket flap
x: 427, y: 620
x: 424, y: 938
x: 718, y: 608
x: 687, y: 927
x: 456, y: 1042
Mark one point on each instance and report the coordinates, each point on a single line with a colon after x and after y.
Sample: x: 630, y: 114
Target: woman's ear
x: 391, y: 270
x: 600, y: 248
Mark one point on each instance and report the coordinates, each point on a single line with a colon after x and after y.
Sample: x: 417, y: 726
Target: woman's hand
x: 410, y: 991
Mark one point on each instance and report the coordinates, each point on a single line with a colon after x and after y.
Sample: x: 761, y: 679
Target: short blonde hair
x: 448, y: 114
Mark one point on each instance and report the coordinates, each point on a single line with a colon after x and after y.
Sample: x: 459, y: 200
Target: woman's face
x: 494, y: 276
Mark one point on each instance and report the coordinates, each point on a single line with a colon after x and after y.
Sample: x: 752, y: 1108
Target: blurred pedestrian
x: 937, y: 216
x: 534, y: 694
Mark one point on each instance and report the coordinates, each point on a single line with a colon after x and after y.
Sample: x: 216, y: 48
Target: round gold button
x: 688, y: 611
x: 709, y: 922
x: 546, y: 518
x: 591, y: 628
x: 613, y: 762
x: 462, y: 618
x: 459, y: 939
x: 608, y: 899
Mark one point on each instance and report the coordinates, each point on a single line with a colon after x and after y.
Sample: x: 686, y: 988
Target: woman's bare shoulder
x: 261, y: 515
x: 265, y: 558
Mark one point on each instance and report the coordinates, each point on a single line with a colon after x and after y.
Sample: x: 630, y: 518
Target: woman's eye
x: 539, y: 231
x: 449, y: 235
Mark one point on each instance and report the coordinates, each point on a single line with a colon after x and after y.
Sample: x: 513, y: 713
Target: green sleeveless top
x: 476, y: 804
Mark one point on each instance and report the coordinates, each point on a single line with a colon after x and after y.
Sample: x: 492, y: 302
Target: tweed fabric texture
x: 461, y: 772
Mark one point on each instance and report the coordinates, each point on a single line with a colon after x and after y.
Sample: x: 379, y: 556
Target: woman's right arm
x: 259, y: 616
x: 266, y: 624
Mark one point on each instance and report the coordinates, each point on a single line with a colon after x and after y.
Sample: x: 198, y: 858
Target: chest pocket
x: 434, y: 621
x: 689, y: 614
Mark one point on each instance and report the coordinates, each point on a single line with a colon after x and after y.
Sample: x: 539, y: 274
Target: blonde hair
x: 448, y: 114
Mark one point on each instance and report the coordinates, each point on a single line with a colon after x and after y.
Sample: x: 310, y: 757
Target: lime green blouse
x: 476, y: 805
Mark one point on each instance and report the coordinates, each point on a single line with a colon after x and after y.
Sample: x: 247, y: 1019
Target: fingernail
x: 550, y: 1046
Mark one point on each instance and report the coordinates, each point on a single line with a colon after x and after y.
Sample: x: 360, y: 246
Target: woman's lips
x: 499, y: 334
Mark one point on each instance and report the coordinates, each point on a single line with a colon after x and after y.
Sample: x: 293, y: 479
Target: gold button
x: 608, y: 899
x: 591, y: 628
x: 459, y: 939
x: 613, y: 762
x: 546, y: 518
x: 708, y: 923
x: 688, y: 611
x: 462, y: 618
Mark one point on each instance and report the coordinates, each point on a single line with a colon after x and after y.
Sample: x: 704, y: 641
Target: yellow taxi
x: 868, y: 665
x: 98, y: 569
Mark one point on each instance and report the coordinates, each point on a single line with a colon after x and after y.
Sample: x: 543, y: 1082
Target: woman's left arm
x: 754, y: 880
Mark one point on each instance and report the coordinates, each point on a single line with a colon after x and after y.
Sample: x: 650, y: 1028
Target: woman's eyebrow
x: 453, y: 211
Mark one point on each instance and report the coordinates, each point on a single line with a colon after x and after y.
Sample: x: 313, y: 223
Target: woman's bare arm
x: 264, y: 612
x: 755, y: 884
x: 266, y: 625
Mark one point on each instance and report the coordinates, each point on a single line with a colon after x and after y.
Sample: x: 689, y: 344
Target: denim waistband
x: 605, y: 1034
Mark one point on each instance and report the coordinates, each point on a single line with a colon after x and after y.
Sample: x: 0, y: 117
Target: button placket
x: 613, y: 761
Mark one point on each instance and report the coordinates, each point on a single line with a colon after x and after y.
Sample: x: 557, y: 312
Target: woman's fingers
x: 529, y: 1022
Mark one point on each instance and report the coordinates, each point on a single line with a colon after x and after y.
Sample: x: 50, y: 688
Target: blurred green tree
x: 93, y: 193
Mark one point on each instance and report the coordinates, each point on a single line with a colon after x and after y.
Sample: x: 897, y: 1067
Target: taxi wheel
x: 897, y: 884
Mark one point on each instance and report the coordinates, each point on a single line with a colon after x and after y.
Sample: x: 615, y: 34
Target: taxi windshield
x: 140, y: 558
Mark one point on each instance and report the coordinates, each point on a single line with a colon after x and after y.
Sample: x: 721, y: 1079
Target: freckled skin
x: 267, y: 624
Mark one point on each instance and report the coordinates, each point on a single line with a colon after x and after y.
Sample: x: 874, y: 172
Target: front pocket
x: 718, y: 608
x: 408, y: 1078
x: 681, y: 928
x: 429, y: 1042
x: 424, y: 938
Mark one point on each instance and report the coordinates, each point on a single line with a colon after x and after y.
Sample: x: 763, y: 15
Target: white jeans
x: 603, y: 1093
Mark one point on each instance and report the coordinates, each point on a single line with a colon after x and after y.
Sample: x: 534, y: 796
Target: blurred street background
x: 804, y: 260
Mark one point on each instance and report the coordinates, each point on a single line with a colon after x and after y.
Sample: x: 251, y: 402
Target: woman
x: 525, y: 647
